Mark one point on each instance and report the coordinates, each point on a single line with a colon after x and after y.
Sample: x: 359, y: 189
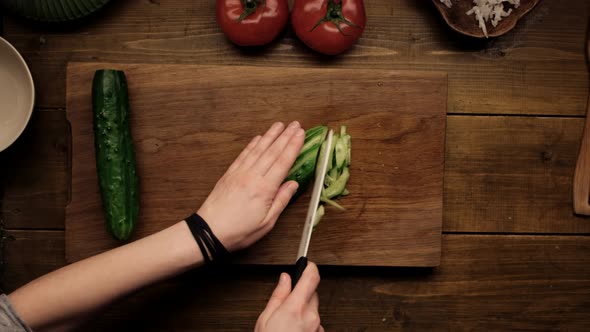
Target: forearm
x: 243, y: 206
x: 72, y: 293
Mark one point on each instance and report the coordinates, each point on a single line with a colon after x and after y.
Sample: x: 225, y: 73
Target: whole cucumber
x: 115, y: 156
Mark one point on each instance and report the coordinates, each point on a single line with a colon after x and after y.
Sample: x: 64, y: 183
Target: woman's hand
x: 293, y: 311
x: 250, y: 196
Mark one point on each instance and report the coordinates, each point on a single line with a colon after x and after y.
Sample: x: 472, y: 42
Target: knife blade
x: 318, y: 185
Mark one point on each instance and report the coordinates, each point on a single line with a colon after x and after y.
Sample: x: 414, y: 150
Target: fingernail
x: 294, y: 185
x: 282, y: 278
x: 300, y: 132
x: 294, y: 124
x: 277, y: 125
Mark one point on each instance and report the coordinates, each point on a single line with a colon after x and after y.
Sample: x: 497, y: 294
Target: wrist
x: 220, y: 232
x: 211, y: 247
x: 184, y: 251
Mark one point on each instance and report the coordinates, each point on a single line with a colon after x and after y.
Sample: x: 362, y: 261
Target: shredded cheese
x: 488, y: 10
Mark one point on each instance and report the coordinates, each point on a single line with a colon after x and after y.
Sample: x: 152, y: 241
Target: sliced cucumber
x: 315, y: 139
x: 346, y: 141
x: 337, y: 174
x: 318, y: 215
x: 331, y: 157
x: 339, y: 185
x: 333, y: 203
x: 333, y: 173
x: 340, y: 152
x: 321, y: 158
x: 346, y: 147
x: 313, y: 131
x: 348, y: 157
x: 333, y: 152
x: 303, y: 170
x: 328, y: 180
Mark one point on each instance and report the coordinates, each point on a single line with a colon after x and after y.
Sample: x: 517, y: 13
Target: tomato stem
x: 250, y: 7
x: 334, y: 15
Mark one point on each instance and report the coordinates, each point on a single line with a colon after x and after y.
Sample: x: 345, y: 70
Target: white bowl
x: 17, y: 94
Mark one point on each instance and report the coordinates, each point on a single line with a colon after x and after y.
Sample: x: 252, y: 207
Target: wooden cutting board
x: 189, y: 122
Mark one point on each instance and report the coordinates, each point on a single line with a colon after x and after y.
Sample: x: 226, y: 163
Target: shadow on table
x: 232, y: 296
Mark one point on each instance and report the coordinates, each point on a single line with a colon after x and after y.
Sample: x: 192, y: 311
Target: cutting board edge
x: 121, y: 65
x: 443, y: 76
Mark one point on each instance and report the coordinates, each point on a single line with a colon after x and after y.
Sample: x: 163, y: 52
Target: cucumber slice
x: 333, y: 173
x: 333, y: 152
x: 339, y: 185
x: 328, y: 180
x: 340, y: 152
x: 348, y: 157
x: 333, y: 203
x: 321, y: 158
x: 346, y: 143
x: 318, y: 215
x: 331, y: 158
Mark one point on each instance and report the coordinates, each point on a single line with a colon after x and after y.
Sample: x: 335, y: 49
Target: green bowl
x: 53, y: 10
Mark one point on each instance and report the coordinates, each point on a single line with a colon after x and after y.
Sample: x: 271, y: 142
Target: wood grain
x: 483, y: 283
x: 511, y: 175
x: 190, y: 122
x: 581, y: 185
x: 459, y: 21
x: 538, y: 68
x: 29, y: 254
x: 499, y: 178
x: 35, y: 174
x: 503, y: 174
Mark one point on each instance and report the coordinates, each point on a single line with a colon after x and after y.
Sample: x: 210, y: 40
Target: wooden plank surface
x: 511, y: 175
x: 538, y: 68
x: 484, y: 283
x: 35, y: 174
x: 190, y: 122
x: 489, y: 187
x: 29, y: 254
x: 518, y: 282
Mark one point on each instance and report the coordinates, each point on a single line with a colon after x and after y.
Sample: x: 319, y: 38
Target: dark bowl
x: 459, y: 21
x: 53, y: 10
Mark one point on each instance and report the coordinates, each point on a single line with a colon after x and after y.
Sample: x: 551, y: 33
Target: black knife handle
x: 298, y: 271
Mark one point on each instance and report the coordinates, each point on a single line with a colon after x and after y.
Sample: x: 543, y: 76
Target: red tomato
x: 252, y: 22
x: 328, y: 26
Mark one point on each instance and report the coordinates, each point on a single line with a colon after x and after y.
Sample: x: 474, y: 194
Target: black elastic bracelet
x: 211, y: 247
x: 195, y: 230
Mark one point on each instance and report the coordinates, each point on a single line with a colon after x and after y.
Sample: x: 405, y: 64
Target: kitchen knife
x: 318, y: 186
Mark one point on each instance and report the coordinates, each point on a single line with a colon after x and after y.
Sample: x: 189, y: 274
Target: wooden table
x: 514, y: 255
